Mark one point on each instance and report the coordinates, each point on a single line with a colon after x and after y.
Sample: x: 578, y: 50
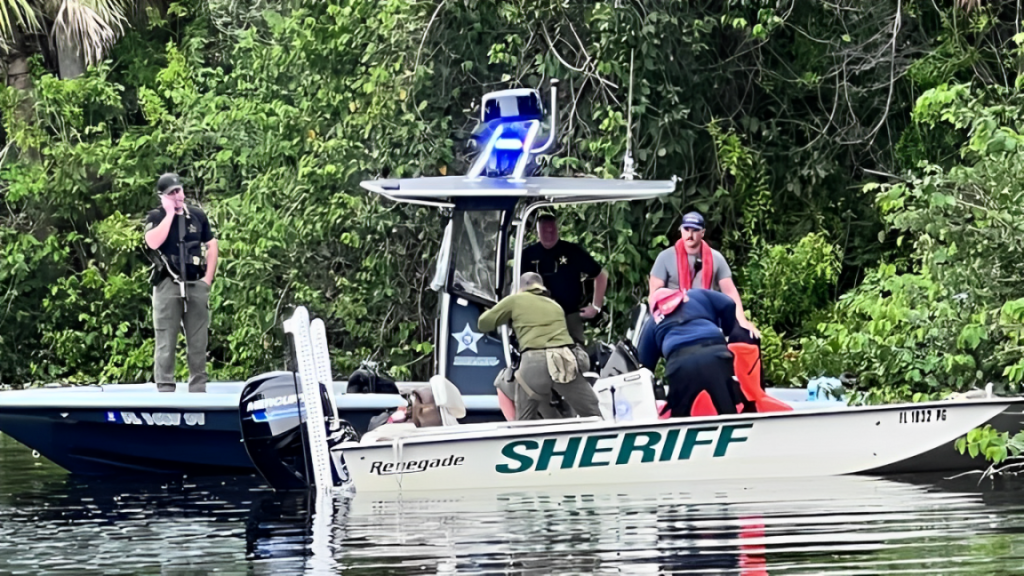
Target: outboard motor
x: 599, y: 353
x: 273, y: 426
x: 623, y: 359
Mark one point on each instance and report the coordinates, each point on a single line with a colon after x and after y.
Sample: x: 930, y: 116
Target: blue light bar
x: 508, y: 144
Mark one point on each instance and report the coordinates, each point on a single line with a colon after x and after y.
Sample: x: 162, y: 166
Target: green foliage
x: 932, y: 323
x: 786, y: 284
x: 993, y: 445
x: 899, y: 331
x: 772, y: 120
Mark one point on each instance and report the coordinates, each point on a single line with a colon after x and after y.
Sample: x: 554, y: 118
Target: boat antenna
x: 627, y: 160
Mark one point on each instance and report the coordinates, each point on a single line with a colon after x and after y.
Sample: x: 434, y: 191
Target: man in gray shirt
x: 699, y: 259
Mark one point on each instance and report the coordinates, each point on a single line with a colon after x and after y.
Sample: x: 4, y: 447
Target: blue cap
x: 693, y: 220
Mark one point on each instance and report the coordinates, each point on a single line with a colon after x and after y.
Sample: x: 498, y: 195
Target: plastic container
x: 824, y: 389
x: 628, y: 397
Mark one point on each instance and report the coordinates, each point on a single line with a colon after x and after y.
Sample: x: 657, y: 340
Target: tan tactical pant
x: 168, y: 319
x: 536, y: 403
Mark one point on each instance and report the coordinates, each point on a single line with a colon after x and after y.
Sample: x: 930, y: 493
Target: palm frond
x: 16, y: 13
x: 92, y: 26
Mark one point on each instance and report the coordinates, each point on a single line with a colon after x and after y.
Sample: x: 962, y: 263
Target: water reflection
x: 738, y: 528
x: 853, y: 525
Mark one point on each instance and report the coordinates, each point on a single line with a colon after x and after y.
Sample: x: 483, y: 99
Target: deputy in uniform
x: 181, y: 288
x: 548, y: 361
x: 563, y: 267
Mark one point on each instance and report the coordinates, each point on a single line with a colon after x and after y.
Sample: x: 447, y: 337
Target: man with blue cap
x: 691, y: 263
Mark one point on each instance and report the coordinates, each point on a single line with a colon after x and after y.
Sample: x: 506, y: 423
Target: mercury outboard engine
x: 273, y: 426
x: 599, y: 353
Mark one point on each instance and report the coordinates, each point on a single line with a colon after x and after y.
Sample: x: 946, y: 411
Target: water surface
x: 53, y: 523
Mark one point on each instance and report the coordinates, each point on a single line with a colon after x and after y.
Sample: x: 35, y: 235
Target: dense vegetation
x: 859, y: 163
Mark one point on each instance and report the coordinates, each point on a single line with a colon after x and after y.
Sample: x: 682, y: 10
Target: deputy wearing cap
x: 185, y: 263
x: 691, y: 263
x: 548, y: 361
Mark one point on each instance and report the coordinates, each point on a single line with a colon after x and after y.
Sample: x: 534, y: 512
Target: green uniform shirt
x: 539, y: 321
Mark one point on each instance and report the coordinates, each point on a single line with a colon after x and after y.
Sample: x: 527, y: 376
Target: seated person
x: 688, y: 329
x: 548, y: 362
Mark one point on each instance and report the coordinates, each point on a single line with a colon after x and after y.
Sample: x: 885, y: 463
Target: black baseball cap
x: 168, y: 182
x: 693, y: 221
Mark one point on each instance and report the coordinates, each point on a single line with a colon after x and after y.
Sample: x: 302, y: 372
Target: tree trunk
x: 17, y: 62
x: 18, y: 77
x: 70, y: 60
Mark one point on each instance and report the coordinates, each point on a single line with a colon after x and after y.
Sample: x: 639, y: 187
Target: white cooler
x: 627, y: 397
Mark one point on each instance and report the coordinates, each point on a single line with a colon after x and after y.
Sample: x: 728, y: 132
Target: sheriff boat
x: 293, y: 451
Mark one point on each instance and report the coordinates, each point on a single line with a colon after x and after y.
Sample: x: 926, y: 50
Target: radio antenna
x: 627, y: 160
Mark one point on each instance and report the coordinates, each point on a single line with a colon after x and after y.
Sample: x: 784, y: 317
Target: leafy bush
x: 993, y: 445
x: 786, y: 284
x: 932, y: 323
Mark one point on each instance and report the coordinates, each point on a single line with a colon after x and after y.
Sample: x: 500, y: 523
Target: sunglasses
x: 174, y: 190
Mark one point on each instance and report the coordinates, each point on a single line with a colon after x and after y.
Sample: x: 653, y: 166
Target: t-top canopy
x: 563, y: 190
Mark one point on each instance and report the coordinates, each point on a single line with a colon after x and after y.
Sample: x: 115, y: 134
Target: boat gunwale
x: 505, y: 433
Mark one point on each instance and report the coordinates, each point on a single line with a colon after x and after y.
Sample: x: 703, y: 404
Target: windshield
x: 475, y: 246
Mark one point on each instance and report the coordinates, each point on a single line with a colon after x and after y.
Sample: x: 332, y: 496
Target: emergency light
x: 510, y: 121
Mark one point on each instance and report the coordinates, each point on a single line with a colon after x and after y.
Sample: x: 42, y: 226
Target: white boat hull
x: 823, y: 442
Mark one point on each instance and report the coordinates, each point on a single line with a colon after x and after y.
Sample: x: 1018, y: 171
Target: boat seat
x: 439, y: 405
x: 390, y: 431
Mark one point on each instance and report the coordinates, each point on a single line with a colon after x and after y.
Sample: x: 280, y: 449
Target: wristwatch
x: 598, y: 308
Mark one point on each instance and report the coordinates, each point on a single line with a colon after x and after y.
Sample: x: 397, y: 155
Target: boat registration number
x: 921, y: 416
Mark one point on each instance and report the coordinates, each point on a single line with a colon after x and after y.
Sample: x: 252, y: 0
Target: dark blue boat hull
x: 92, y: 442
